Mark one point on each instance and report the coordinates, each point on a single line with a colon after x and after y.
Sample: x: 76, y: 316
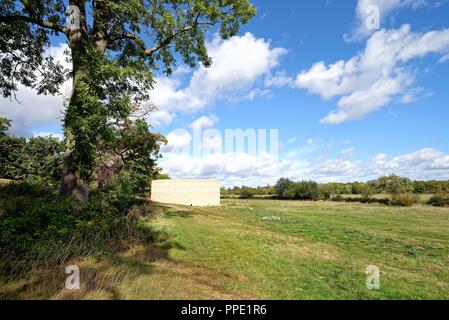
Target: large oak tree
x: 115, y: 47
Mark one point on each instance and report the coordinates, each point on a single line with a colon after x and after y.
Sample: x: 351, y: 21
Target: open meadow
x: 267, y: 249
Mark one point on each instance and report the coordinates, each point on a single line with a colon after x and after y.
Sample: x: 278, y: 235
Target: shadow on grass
x: 177, y: 212
x: 99, y: 278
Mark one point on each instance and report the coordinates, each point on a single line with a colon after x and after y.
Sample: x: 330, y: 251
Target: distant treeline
x: 399, y: 188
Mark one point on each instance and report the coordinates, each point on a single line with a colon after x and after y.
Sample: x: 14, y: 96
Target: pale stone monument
x: 189, y: 192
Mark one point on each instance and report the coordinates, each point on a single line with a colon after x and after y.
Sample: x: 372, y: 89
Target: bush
x: 306, y: 190
x: 246, y: 193
x: 439, y: 200
x: 404, y: 200
x: 384, y: 201
x: 281, y: 187
x: 338, y: 198
x: 37, y: 230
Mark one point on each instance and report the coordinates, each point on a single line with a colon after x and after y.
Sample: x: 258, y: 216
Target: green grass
x: 267, y: 249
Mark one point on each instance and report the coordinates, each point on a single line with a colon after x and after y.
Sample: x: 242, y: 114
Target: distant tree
x: 363, y: 189
x: 303, y: 190
x: 306, y: 190
x: 282, y: 185
x: 327, y: 190
x: 419, y: 187
x: 162, y: 176
x: 247, y: 193
x: 395, y: 185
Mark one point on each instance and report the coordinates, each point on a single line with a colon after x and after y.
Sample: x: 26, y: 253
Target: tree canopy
x: 115, y: 47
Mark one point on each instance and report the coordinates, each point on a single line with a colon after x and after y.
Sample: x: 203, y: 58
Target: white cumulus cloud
x: 35, y: 110
x: 204, y: 122
x: 375, y: 77
x: 367, y: 10
x: 237, y: 65
x: 244, y: 169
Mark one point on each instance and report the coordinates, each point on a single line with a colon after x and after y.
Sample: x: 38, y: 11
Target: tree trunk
x: 70, y: 183
x: 69, y: 179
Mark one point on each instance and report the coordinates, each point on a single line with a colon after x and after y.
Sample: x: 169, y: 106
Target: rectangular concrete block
x: 189, y: 192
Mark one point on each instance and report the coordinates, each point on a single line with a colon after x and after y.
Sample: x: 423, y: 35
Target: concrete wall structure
x: 189, y: 192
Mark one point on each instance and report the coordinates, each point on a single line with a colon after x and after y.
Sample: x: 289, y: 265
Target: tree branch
x: 164, y: 43
x: 36, y: 21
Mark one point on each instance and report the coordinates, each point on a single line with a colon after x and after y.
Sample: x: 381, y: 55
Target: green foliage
x: 5, y: 124
x: 439, y: 200
x: 112, y: 67
x: 404, y: 200
x: 21, y: 158
x: 325, y: 191
x: 162, y: 176
x: 137, y: 150
x: 430, y: 187
x: 282, y: 185
x: 23, y: 49
x: 383, y: 201
x: 36, y: 229
x: 364, y: 189
x: 395, y: 185
x: 303, y: 190
x: 338, y: 198
x: 247, y: 193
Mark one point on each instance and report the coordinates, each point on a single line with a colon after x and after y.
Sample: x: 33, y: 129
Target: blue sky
x: 350, y: 102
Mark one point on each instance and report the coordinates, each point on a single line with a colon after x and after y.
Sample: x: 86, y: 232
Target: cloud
x: 280, y: 79
x: 375, y: 77
x: 204, y: 122
x: 367, y: 10
x: 348, y: 152
x: 244, y: 169
x: 159, y: 118
x: 48, y: 134
x: 444, y: 58
x: 35, y: 110
x: 238, y: 63
x: 231, y: 169
x: 178, y: 141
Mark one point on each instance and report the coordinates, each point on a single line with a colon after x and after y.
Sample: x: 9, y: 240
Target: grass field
x: 264, y: 249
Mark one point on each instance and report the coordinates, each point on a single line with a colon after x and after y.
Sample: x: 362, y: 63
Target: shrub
x: 281, y: 187
x: 37, y: 230
x: 338, y: 198
x: 306, y: 190
x: 439, y: 200
x: 384, y: 201
x: 404, y: 200
x: 247, y: 193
